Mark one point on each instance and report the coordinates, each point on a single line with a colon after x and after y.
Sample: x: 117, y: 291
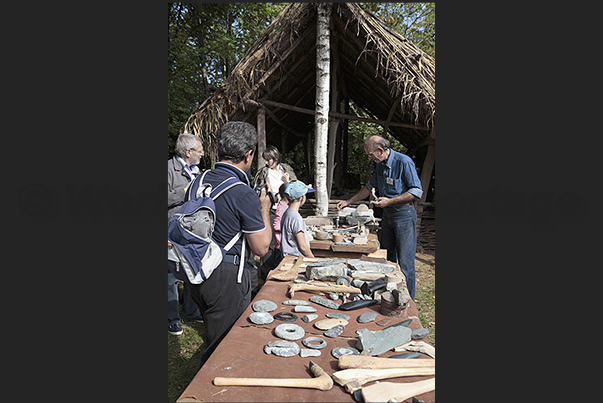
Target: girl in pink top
x: 283, y: 205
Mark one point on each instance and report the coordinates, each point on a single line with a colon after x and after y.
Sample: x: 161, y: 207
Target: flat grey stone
x: 309, y: 352
x: 357, y: 264
x: 322, y: 263
x: 282, y: 348
x: 336, y: 331
x: 382, y: 340
x: 324, y: 302
x: 309, y: 318
x: 384, y: 322
x: 264, y: 305
x: 334, y: 296
x: 367, y: 317
x: 419, y: 333
x: 339, y: 351
x: 261, y: 318
x: 295, y: 302
x: 289, y: 331
x: 358, y: 297
x: 334, y: 315
x: 326, y: 273
x: 302, y: 308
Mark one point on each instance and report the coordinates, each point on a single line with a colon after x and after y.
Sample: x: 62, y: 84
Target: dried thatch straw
x: 408, y: 72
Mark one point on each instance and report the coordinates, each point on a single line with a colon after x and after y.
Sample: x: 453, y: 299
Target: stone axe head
x: 324, y: 380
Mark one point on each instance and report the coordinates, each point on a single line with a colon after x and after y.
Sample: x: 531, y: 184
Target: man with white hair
x: 182, y: 170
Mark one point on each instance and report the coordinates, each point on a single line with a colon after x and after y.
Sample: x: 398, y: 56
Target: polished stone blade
x: 361, y: 303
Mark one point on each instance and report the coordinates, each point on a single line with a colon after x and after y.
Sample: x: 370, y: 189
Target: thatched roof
x: 381, y: 71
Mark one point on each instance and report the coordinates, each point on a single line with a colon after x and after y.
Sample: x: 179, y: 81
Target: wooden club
x: 363, y: 376
x: 387, y: 391
x: 321, y: 380
x: 360, y: 361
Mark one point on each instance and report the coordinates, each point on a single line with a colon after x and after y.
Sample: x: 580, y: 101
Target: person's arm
x: 411, y: 182
x: 303, y: 247
x: 289, y: 173
x: 362, y: 194
x: 395, y: 201
x: 259, y: 242
x: 175, y: 191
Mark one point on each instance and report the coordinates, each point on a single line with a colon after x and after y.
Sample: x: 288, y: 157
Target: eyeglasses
x: 374, y: 151
x: 197, y: 151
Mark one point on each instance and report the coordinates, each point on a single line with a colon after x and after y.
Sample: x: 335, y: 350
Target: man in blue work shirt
x: 224, y: 296
x: 398, y: 185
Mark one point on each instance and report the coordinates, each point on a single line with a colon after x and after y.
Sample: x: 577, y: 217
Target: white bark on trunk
x: 323, y: 69
x: 261, y: 136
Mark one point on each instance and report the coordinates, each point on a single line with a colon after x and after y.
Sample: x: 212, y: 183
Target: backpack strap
x: 241, y: 258
x: 220, y: 189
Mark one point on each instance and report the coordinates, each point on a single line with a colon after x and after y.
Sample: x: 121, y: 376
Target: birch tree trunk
x: 261, y: 136
x: 323, y: 68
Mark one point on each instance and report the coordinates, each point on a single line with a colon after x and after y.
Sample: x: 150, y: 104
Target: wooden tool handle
x: 285, y: 382
x: 385, y: 391
x: 322, y: 381
x: 298, y: 262
x: 359, y: 361
x: 368, y: 375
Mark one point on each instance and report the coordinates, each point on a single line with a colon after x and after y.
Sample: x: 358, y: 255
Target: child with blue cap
x: 295, y: 239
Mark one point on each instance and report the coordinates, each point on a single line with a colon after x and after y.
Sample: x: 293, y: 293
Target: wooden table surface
x: 241, y: 354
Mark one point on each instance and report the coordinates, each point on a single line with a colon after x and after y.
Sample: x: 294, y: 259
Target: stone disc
x: 261, y: 318
x: 289, y: 331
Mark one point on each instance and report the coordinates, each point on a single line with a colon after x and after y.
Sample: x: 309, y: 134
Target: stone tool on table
x: 321, y: 287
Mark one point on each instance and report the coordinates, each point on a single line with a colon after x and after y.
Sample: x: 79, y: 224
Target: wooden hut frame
x: 274, y: 84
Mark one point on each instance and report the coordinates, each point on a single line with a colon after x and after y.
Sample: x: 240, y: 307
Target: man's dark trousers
x: 399, y: 237
x: 221, y: 301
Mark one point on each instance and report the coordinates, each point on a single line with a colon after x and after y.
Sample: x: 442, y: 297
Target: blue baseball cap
x: 296, y: 189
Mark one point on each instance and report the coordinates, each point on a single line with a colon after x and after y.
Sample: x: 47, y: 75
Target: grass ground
x: 425, y: 293
x: 184, y: 355
x: 184, y: 351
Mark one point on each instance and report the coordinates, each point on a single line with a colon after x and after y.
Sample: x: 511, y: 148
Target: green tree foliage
x: 362, y: 168
x: 205, y: 42
x: 415, y: 21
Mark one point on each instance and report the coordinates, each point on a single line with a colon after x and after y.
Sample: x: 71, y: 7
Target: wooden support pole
x: 344, y: 158
x: 333, y: 108
x: 427, y: 170
x: 261, y: 135
x: 321, y: 120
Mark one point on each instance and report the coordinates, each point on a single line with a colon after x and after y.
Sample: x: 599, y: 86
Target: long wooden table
x: 241, y: 354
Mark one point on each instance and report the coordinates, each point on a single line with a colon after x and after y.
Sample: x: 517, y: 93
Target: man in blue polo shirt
x: 222, y: 298
x: 398, y: 185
